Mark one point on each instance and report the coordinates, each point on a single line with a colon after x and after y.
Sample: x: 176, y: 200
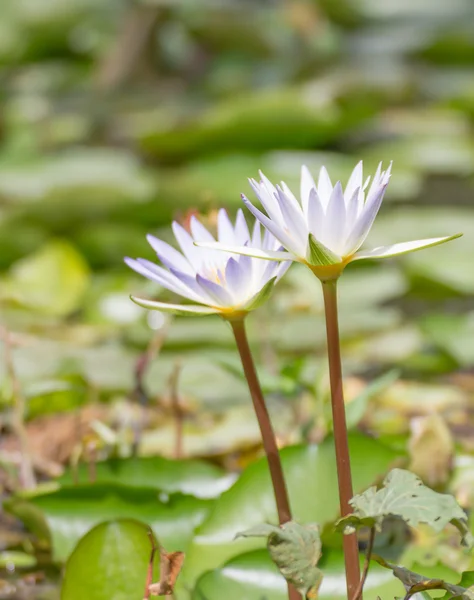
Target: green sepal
x: 262, y: 296
x: 320, y: 256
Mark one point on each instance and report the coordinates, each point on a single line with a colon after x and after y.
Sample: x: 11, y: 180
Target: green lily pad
x: 193, y: 477
x: 111, y: 561
x: 70, y: 512
x: 52, y: 280
x: 253, y: 576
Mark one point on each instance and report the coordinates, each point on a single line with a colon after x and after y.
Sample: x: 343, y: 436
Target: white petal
x: 403, y: 247
x: 242, y: 233
x: 324, y: 187
x: 375, y: 182
x: 293, y: 217
x: 186, y: 243
x: 335, y: 221
x: 265, y: 191
x: 307, y: 185
x: 352, y: 210
x: 315, y: 214
x: 161, y: 276
x: 168, y: 255
x: 237, y: 278
x: 192, y: 284
x: 256, y: 240
x: 177, y: 309
x: 255, y: 252
x: 225, y: 230
x: 355, y: 181
x: 291, y: 198
x: 216, y: 291
x: 363, y: 224
x: 277, y: 231
x: 200, y: 233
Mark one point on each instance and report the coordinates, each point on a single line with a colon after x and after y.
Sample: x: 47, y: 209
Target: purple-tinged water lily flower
x: 328, y: 225
x: 216, y: 282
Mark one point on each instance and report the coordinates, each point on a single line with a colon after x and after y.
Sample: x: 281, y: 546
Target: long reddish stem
x: 351, y: 551
x: 266, y: 430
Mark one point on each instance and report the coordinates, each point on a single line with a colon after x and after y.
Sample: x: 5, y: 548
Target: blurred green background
x: 116, y: 117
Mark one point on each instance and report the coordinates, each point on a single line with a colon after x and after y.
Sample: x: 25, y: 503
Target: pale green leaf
x: 52, y: 280
x: 296, y: 550
x: 403, y: 494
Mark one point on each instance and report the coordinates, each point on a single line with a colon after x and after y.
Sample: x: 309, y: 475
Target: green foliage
x: 51, y: 281
x: 404, y: 495
x: 109, y: 562
x: 250, y: 500
x: 194, y: 477
x: 254, y: 576
x: 296, y: 550
x: 93, y: 157
x: 72, y: 511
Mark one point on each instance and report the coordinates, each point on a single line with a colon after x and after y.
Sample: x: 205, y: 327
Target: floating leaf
x: 194, y: 477
x: 254, y: 576
x: 52, y: 280
x: 109, y: 562
x: 250, y: 501
x: 61, y: 517
x: 403, y: 494
x: 296, y: 550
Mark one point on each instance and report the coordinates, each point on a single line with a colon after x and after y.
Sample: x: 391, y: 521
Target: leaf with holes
x: 403, y: 494
x: 296, y: 550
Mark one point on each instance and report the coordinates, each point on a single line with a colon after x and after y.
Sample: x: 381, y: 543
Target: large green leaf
x: 194, y: 477
x: 253, y: 576
x: 312, y: 483
x: 110, y: 562
x: 404, y: 495
x: 72, y: 511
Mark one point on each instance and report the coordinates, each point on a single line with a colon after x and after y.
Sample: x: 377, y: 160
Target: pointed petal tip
x: 130, y: 262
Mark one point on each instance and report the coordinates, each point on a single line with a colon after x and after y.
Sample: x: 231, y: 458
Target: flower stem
x: 266, y: 430
x: 351, y: 551
x: 365, y: 572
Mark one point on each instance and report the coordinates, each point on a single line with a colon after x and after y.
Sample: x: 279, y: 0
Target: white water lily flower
x: 328, y: 225
x: 218, y: 282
